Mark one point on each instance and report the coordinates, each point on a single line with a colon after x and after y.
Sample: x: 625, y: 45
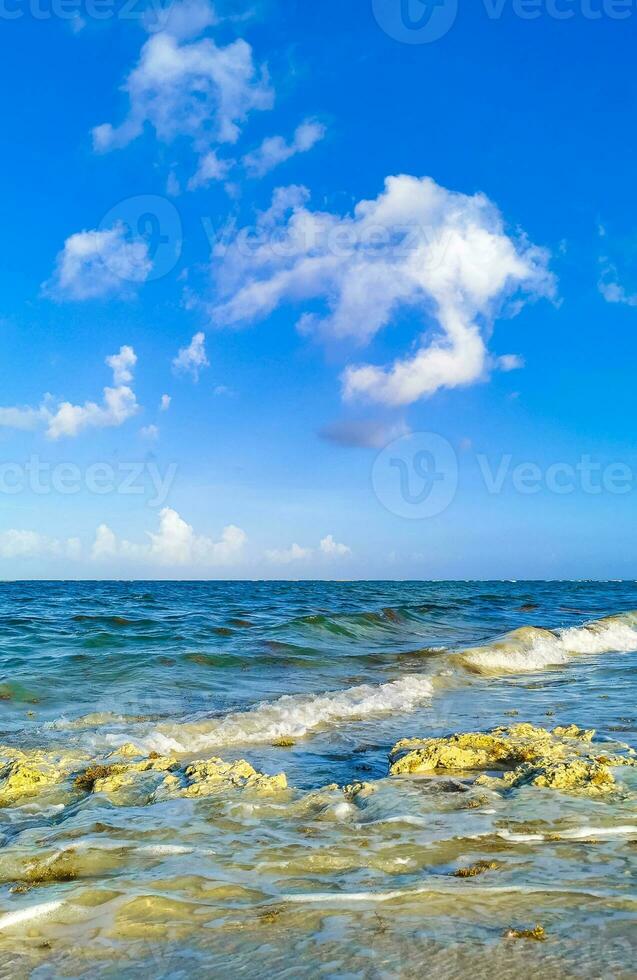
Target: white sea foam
x: 295, y: 715
x: 164, y: 850
x: 528, y: 649
x: 581, y: 833
x: 451, y: 888
x: 575, y: 833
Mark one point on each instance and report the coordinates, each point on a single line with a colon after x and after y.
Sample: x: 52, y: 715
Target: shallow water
x: 312, y: 881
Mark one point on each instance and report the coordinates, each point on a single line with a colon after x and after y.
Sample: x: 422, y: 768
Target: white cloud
x: 105, y: 544
x: 94, y: 264
x: 174, y: 543
x: 186, y: 88
x: 417, y: 246
x: 65, y: 419
x: 328, y: 546
x: 287, y: 555
x: 30, y: 544
x: 164, y: 404
x: 23, y: 418
x: 192, y: 359
x: 183, y: 20
x: 275, y: 149
x: 510, y: 362
x: 610, y: 287
x: 331, y: 547
x: 210, y: 168
x: 122, y: 365
x: 119, y: 405
x: 150, y: 432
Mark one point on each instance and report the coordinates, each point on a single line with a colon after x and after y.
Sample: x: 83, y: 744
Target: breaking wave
x: 295, y: 715
x: 523, y: 650
x: 529, y: 648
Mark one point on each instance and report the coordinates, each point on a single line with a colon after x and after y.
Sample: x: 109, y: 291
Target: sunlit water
x: 311, y: 882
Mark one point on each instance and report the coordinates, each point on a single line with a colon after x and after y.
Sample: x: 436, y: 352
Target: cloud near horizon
x: 417, y: 246
x: 174, y: 543
x: 327, y: 546
x: 16, y: 543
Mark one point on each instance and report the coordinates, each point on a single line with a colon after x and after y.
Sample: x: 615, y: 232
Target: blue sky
x: 485, y: 296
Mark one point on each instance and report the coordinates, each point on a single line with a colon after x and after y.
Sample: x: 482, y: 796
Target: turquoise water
x: 310, y: 880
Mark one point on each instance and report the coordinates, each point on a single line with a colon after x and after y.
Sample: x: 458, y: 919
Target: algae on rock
x: 562, y: 759
x: 207, y: 776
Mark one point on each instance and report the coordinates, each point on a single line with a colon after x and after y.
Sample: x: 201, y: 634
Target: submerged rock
x: 538, y: 933
x: 476, y: 869
x: 562, y: 759
x: 361, y: 789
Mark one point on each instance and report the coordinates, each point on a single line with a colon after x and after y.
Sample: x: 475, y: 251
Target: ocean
x: 127, y: 851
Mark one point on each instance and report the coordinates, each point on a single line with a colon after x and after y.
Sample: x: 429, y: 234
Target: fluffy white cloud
x: 94, y: 264
x: 122, y: 365
x: 118, y: 405
x: 164, y: 404
x: 105, y: 544
x: 210, y: 168
x: 331, y: 547
x: 285, y: 556
x: 65, y: 419
x: 510, y: 362
x: 182, y: 87
x: 174, y: 543
x: 275, y: 149
x: 416, y: 246
x: 30, y: 544
x: 192, y: 359
x: 150, y: 432
x: 328, y: 546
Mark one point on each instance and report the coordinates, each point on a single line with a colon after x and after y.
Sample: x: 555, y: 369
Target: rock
x: 538, y: 933
x: 20, y: 778
x: 478, y: 868
x: 208, y: 776
x: 561, y: 759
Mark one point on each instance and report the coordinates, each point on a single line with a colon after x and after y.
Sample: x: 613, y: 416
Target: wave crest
x: 295, y: 715
x: 530, y: 648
